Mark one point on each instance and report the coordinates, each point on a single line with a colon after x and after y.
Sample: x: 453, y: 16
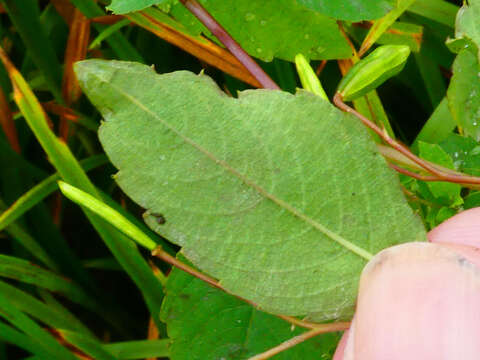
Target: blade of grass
x: 24, y: 271
x: 108, y: 31
x: 70, y: 170
x: 45, y: 313
x: 382, y: 24
x: 87, y: 345
x: 119, y: 44
x: 40, y: 191
x: 438, y: 126
x: 77, y: 44
x: 139, y: 349
x: 29, y: 243
x: 9, y: 335
x: 38, y: 335
x: 437, y: 10
x: 432, y: 77
x: 25, y: 16
x: 169, y: 30
x: 107, y: 213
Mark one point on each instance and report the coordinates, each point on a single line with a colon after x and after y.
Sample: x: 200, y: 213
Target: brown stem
x: 413, y: 174
x: 159, y: 253
x: 297, y: 340
x: 253, y: 68
x: 442, y: 175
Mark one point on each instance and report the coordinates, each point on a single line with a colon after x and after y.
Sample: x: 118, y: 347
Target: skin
x: 421, y: 300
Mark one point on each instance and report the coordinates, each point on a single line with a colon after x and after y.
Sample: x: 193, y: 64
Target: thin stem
x: 253, y: 68
x: 159, y: 253
x: 298, y: 340
x: 442, y: 175
x: 413, y: 174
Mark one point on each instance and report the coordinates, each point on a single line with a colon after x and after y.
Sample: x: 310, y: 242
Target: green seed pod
x: 369, y: 73
x: 308, y: 78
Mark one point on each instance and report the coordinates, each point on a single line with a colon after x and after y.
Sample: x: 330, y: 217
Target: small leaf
x: 467, y: 26
x: 463, y: 94
x: 280, y: 197
x: 446, y: 193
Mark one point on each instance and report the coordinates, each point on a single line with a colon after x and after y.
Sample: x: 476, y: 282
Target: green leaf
x: 225, y: 327
x: 438, y: 127
x: 256, y: 25
x: 471, y: 164
x: 472, y: 200
x: 446, y: 193
x: 139, y: 349
x: 352, y: 10
x: 281, y: 197
x: 127, y: 6
x: 463, y: 94
x: 467, y: 25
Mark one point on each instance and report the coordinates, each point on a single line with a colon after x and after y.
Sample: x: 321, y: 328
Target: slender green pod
x: 308, y: 78
x: 369, y: 73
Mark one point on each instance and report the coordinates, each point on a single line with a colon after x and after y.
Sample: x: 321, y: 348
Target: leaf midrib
x: 283, y: 204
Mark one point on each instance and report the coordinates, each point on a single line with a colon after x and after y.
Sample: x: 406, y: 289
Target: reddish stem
x: 253, y: 68
x: 441, y: 175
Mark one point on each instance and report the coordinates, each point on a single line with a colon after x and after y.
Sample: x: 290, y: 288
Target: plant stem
x: 297, y: 340
x: 253, y: 68
x: 431, y: 168
x: 162, y: 255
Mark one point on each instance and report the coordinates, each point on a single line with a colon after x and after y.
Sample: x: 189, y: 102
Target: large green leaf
x: 205, y: 323
x: 268, y: 28
x: 281, y: 197
x: 463, y: 94
x: 352, y: 10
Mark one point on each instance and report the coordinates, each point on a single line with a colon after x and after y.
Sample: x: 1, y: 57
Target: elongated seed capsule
x: 369, y: 73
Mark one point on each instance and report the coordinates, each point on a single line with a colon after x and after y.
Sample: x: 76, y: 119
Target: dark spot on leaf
x: 159, y: 218
x: 353, y: 194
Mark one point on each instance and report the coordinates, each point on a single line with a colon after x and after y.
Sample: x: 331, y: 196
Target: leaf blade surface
x: 243, y: 183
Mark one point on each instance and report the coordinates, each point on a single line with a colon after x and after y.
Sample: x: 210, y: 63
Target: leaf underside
x: 259, y: 191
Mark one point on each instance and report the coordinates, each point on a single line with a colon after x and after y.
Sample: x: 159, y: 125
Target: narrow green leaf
x: 106, y: 212
x: 41, y: 337
x: 437, y: 10
x: 70, y: 170
x: 127, y: 6
x: 26, y: 18
x: 251, y: 212
x: 44, y: 313
x: 139, y: 349
x: 109, y: 31
x: 9, y: 335
x: 432, y: 77
x: 24, y: 271
x: 88, y: 345
x: 381, y: 25
x: 41, y: 191
x: 309, y: 79
x: 438, y: 126
x: 29, y: 243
